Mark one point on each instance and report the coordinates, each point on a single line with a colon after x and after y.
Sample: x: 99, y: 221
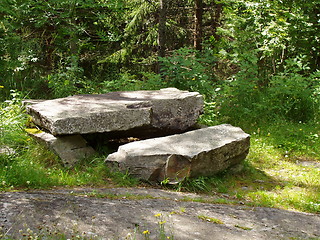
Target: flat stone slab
x: 168, y: 109
x: 70, y: 149
x: 202, y: 152
x: 126, y: 213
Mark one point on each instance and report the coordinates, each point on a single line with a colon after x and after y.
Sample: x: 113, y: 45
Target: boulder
x: 166, y: 110
x: 70, y: 149
x: 202, y: 152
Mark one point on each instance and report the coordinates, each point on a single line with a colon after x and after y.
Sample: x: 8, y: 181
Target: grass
x: 243, y: 227
x: 285, y: 181
x: 282, y: 169
x: 29, y: 165
x: 112, y: 196
x: 39, y: 168
x: 210, y: 219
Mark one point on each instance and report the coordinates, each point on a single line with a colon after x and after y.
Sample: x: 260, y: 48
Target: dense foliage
x: 259, y: 59
x: 274, y: 46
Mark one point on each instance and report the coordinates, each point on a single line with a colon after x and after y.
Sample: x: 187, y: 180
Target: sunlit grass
x: 210, y: 219
x: 282, y: 170
x: 29, y: 165
x: 33, y: 166
x: 293, y: 185
x: 37, y: 167
x: 273, y: 176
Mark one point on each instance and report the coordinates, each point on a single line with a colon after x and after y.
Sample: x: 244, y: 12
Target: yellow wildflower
x: 1, y: 86
x: 162, y: 222
x: 146, y: 232
x: 158, y: 215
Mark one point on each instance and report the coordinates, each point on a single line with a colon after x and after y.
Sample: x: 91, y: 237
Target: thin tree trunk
x: 162, y: 28
x: 162, y: 32
x: 217, y: 20
x: 198, y: 25
x: 73, y: 34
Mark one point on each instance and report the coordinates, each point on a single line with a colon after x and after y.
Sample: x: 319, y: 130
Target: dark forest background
x: 255, y: 60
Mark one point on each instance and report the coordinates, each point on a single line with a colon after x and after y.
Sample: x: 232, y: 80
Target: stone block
x: 202, y: 152
x: 70, y: 149
x: 165, y: 109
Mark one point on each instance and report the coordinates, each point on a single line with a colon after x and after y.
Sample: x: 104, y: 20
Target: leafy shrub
x: 12, y: 119
x: 125, y: 81
x: 292, y: 94
x: 189, y: 69
x: 68, y: 79
x: 288, y: 95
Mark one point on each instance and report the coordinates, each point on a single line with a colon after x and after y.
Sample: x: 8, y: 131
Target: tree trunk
x: 198, y: 25
x: 217, y: 20
x: 162, y: 28
x: 162, y: 32
x: 72, y: 24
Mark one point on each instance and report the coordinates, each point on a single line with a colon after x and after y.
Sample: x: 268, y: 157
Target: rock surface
x: 70, y: 149
x: 166, y: 109
x: 6, y: 150
x: 202, y: 152
x: 119, y: 212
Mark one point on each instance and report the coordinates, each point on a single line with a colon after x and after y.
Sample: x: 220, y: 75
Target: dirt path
x: 115, y: 213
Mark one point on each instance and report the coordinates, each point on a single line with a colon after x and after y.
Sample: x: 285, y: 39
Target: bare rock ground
x: 117, y: 213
